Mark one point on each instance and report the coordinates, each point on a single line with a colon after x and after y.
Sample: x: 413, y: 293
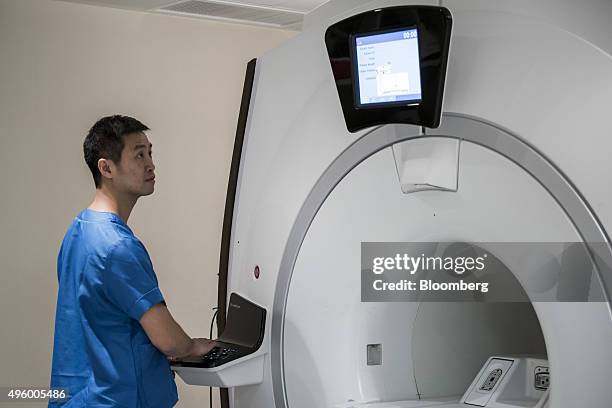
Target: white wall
x: 62, y: 67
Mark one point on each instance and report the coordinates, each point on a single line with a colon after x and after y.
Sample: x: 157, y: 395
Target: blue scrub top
x: 101, y: 354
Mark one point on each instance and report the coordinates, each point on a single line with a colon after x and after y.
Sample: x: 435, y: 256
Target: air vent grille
x: 235, y: 12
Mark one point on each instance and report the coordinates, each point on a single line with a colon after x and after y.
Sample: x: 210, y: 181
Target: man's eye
x: 140, y: 155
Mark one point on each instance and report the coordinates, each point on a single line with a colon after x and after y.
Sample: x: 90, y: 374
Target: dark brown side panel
x: 229, y: 207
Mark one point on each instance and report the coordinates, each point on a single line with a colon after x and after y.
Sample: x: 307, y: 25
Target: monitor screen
x: 386, y: 68
x: 245, y: 322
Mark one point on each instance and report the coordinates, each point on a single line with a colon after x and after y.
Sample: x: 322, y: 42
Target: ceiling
x: 277, y: 13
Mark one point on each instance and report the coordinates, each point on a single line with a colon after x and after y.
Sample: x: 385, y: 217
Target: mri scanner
x: 499, y: 135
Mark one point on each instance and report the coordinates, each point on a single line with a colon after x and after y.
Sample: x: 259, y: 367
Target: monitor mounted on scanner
x: 389, y: 65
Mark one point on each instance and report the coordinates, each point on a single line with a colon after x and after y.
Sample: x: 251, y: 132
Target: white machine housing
x: 527, y: 96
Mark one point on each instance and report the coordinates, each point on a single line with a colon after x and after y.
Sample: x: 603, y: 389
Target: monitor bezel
x: 434, y: 24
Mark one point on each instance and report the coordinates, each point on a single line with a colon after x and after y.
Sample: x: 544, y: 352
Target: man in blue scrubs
x: 113, y: 332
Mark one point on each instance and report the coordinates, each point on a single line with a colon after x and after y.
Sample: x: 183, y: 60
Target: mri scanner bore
x: 345, y: 151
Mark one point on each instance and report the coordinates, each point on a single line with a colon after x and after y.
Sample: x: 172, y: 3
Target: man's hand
x: 202, y: 346
x: 169, y: 338
x: 199, y: 347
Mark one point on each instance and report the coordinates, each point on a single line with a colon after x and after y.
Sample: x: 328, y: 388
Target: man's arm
x: 169, y: 338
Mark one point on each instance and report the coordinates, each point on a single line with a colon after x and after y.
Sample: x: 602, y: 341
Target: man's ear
x: 106, y: 168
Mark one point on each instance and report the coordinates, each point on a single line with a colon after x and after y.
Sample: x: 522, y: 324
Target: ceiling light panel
x: 236, y: 12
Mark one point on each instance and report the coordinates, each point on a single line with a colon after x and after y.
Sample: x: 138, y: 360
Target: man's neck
x: 109, y: 201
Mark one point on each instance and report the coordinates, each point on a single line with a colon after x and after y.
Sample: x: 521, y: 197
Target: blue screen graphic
x: 388, y: 68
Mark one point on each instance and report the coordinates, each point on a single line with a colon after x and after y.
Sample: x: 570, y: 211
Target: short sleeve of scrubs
x: 129, y: 280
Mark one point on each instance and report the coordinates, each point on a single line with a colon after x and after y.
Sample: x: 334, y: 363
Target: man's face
x: 135, y: 173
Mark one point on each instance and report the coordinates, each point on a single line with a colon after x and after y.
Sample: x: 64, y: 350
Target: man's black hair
x: 105, y: 141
